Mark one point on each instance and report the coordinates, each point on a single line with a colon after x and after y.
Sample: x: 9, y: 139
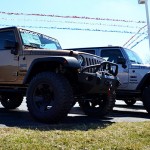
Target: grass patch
x: 115, y: 136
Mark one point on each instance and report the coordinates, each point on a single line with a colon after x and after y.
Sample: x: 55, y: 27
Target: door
x: 112, y: 54
x: 8, y: 61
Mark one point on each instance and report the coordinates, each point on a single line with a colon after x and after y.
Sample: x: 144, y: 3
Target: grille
x: 91, y: 61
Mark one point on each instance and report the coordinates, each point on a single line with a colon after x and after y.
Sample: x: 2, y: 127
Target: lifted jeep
x: 34, y: 66
x: 133, y: 74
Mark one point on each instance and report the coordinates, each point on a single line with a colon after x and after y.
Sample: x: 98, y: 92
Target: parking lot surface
x: 20, y: 117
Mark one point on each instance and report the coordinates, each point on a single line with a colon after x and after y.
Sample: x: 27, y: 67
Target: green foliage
x: 115, y: 136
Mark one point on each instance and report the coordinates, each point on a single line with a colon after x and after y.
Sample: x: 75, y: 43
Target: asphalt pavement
x: 20, y: 117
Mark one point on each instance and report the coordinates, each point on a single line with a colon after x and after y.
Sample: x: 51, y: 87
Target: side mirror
x: 11, y: 45
x: 121, y: 60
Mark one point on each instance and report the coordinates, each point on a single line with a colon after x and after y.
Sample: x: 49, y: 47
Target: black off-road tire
x: 130, y: 102
x: 99, y: 107
x: 49, y: 97
x: 11, y: 101
x: 146, y: 99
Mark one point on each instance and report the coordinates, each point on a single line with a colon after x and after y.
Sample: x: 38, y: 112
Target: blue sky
x: 118, y: 21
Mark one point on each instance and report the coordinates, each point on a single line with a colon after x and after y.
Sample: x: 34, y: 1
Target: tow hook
x: 108, y: 83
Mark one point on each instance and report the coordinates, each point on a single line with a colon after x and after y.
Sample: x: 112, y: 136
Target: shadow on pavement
x: 136, y: 107
x: 22, y: 119
x: 75, y: 119
x: 130, y: 113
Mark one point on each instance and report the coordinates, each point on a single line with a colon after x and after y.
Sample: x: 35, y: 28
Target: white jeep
x: 134, y: 75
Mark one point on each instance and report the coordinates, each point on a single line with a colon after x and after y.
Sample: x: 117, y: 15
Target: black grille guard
x: 106, y: 67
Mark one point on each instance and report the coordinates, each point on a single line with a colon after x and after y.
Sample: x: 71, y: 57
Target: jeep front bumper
x: 98, y: 79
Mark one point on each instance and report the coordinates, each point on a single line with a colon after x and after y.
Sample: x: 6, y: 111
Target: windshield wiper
x: 33, y: 45
x: 136, y: 62
x: 133, y: 61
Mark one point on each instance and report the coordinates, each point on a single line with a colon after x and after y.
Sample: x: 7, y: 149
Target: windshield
x: 32, y: 39
x: 133, y: 57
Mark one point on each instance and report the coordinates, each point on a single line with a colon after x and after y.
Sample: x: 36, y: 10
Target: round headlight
x: 81, y: 60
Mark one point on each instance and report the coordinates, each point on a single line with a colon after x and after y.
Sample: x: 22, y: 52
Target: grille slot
x: 91, y: 61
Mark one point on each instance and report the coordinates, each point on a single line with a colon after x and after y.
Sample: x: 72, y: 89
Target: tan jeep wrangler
x: 34, y: 66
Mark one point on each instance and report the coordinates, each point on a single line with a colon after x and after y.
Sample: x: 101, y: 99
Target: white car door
x: 112, y: 55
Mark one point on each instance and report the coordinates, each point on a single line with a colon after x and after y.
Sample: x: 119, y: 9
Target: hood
x: 61, y: 52
x: 50, y: 52
x: 140, y: 66
x: 88, y: 59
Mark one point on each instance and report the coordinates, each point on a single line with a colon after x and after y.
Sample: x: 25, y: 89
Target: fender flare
x: 144, y: 82
x: 68, y: 62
